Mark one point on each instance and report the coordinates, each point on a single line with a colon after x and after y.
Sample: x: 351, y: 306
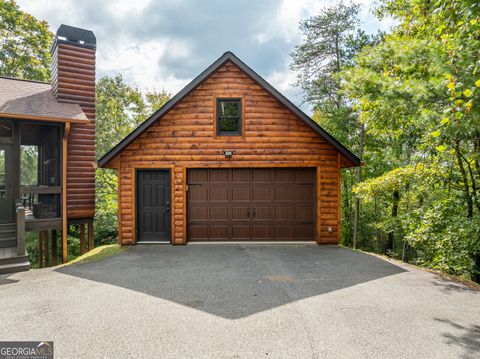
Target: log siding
x: 185, y: 137
x: 73, y: 81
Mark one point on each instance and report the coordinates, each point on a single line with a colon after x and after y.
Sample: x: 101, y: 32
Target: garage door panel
x: 240, y: 213
x: 262, y: 175
x: 198, y: 213
x: 241, y: 194
x: 198, y: 193
x: 262, y: 232
x: 219, y: 214
x: 303, y: 193
x: 304, y: 231
x: 241, y: 175
x: 219, y: 194
x: 262, y: 213
x: 284, y: 193
x: 218, y: 175
x: 284, y: 175
x: 304, y: 214
x: 262, y: 193
x: 198, y: 232
x: 198, y: 176
x: 284, y: 213
x: 241, y: 232
x: 218, y: 232
x: 251, y: 204
x: 284, y: 232
x: 304, y: 175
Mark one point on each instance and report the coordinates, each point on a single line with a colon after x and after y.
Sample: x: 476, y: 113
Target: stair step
x: 14, y: 267
x: 10, y: 226
x: 14, y: 260
x: 8, y: 242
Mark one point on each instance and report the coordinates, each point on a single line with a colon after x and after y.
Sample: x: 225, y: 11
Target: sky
x: 163, y: 44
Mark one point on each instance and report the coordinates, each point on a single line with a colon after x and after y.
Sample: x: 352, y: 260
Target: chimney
x: 73, y: 67
x: 73, y: 81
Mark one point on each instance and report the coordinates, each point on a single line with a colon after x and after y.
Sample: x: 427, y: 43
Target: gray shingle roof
x: 36, y: 99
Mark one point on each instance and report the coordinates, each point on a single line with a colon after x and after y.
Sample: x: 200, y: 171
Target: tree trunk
x: 389, y: 246
x: 359, y: 179
x: 466, y: 186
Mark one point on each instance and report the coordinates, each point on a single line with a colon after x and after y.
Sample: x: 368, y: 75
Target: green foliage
x: 417, y: 93
x: 120, y: 108
x: 24, y: 44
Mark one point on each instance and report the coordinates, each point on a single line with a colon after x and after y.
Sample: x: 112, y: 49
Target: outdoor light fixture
x: 228, y: 153
x: 330, y: 229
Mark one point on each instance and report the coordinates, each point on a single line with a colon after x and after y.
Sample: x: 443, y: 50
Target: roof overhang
x: 41, y: 118
x: 228, y: 56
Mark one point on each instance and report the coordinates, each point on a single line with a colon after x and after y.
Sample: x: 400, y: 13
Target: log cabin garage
x: 228, y: 158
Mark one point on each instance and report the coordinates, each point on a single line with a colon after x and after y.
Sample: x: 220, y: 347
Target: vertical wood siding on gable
x: 185, y: 138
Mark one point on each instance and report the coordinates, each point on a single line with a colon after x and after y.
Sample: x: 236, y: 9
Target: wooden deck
x: 40, y: 224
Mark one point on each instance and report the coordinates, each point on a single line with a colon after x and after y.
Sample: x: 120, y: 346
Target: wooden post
x: 46, y: 246
x: 54, y: 247
x: 40, y: 250
x: 20, y: 229
x: 90, y: 235
x: 64, y: 194
x: 83, y: 249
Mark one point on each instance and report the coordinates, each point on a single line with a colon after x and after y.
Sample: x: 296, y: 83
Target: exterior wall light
x: 228, y: 153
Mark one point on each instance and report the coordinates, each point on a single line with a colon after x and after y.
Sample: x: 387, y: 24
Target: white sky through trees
x: 164, y: 44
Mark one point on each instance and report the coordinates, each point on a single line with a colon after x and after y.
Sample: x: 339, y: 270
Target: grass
x: 98, y: 253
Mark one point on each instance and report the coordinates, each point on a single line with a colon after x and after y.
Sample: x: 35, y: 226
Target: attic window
x: 229, y: 116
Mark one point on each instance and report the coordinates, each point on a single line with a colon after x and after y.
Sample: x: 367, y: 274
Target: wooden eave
x: 41, y: 118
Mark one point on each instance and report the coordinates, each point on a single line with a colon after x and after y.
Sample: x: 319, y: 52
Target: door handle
x: 254, y: 212
x: 248, y: 212
x: 168, y: 206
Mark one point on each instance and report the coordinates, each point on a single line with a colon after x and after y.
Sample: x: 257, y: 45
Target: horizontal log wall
x: 185, y: 138
x: 73, y: 81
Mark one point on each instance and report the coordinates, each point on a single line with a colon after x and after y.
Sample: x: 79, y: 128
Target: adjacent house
x: 229, y: 158
x: 47, y: 153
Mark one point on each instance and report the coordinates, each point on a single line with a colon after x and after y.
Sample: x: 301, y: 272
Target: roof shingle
x: 36, y: 99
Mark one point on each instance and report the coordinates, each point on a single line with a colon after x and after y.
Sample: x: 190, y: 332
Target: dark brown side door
x: 153, y: 206
x: 251, y: 204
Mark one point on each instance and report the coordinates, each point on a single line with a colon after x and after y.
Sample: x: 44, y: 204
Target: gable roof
x: 35, y: 100
x: 228, y: 56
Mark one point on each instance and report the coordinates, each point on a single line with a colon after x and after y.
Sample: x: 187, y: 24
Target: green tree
x: 330, y: 42
x: 120, y: 109
x: 24, y: 44
x: 417, y: 91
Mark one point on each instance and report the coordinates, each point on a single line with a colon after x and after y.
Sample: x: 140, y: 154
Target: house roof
x: 228, y: 56
x: 35, y: 100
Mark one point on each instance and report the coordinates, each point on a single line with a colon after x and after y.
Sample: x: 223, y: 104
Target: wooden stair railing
x: 20, y: 212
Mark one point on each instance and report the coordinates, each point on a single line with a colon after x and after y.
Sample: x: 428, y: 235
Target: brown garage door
x: 247, y: 204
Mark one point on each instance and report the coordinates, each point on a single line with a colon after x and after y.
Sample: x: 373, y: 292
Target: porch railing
x: 41, y: 201
x: 20, y: 212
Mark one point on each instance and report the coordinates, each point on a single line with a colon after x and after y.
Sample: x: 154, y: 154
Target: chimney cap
x: 76, y: 36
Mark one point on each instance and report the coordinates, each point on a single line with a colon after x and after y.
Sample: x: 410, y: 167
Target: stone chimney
x: 73, y: 81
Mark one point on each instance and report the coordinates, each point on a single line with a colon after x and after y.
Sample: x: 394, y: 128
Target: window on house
x: 229, y: 116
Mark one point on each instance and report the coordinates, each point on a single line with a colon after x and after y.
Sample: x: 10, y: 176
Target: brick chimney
x: 73, y: 81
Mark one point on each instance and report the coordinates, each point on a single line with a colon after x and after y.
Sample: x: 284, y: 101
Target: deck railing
x: 41, y: 201
x: 20, y: 212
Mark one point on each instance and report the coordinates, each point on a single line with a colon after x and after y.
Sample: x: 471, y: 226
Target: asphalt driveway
x: 236, y: 301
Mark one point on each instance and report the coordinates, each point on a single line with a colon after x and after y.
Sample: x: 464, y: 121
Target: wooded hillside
x: 408, y: 102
